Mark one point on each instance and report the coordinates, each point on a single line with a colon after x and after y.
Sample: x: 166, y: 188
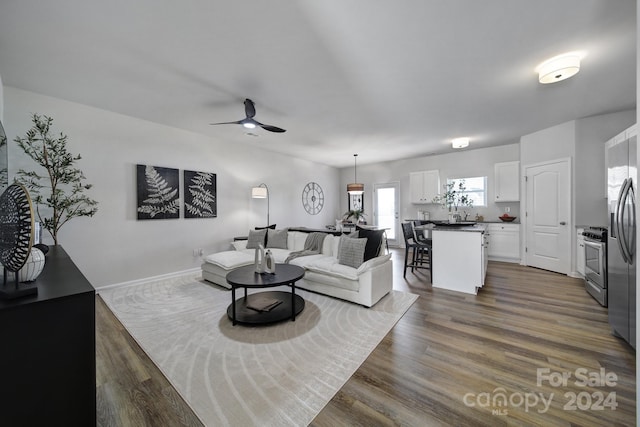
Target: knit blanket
x: 312, y: 246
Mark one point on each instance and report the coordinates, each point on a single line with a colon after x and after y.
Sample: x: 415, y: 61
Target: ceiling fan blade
x: 227, y: 123
x: 249, y: 108
x: 271, y: 128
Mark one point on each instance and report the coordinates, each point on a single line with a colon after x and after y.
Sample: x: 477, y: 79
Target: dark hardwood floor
x: 448, y: 361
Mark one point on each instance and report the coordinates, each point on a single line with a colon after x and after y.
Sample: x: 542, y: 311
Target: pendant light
x: 355, y: 188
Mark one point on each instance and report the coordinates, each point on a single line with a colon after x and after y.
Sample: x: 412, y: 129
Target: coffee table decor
x: 265, y: 307
x: 16, y: 238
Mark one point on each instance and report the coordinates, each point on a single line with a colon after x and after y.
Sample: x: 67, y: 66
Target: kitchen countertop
x: 499, y: 222
x: 473, y: 228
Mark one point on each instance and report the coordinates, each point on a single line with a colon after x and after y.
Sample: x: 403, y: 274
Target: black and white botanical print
x: 158, y: 196
x: 200, y: 200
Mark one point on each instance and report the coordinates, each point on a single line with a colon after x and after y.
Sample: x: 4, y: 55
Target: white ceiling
x: 384, y: 79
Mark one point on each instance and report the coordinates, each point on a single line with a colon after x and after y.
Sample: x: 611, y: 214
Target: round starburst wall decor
x: 16, y: 227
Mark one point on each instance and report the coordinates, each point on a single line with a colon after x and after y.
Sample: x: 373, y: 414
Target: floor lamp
x: 261, y: 192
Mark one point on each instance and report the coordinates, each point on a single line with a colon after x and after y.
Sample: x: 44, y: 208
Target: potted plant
x: 58, y: 195
x: 356, y: 214
x: 454, y: 196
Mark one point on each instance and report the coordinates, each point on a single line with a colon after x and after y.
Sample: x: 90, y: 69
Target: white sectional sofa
x: 364, y: 285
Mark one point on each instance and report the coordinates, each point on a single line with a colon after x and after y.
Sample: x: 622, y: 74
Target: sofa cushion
x: 331, y: 280
x: 229, y: 259
x: 373, y: 262
x: 351, y: 251
x: 374, y: 242
x: 277, y: 239
x: 331, y: 267
x: 303, y: 261
x: 239, y: 245
x: 296, y: 240
x: 330, y: 245
x: 256, y: 237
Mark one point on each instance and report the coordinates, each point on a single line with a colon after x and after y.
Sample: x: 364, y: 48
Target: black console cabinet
x: 48, y: 350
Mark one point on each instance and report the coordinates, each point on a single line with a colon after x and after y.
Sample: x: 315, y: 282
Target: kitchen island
x: 459, y: 258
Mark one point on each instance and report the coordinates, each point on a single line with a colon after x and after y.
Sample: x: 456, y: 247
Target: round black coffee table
x: 254, y: 308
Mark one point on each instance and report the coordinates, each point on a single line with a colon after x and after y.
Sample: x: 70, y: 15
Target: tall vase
x: 259, y: 261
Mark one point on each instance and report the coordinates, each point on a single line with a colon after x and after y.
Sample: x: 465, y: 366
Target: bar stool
x: 420, y: 252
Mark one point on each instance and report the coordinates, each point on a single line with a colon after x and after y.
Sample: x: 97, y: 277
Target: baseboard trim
x: 172, y: 275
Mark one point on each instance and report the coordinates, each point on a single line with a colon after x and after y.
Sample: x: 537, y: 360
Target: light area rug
x: 277, y: 375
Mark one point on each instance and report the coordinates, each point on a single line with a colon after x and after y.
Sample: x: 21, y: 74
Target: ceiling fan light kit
x: 460, y: 142
x: 249, y: 122
x: 559, y: 67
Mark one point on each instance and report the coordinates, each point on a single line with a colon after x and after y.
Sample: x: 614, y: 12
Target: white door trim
x: 396, y: 185
x: 569, y: 201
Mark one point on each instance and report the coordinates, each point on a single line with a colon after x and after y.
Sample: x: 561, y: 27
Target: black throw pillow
x: 272, y: 226
x: 374, y: 242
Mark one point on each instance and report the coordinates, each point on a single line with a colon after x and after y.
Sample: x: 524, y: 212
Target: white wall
x: 590, y: 170
x: 1, y: 101
x: 463, y: 163
x: 583, y: 142
x: 113, y: 246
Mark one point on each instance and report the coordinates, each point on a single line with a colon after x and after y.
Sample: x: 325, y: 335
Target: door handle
x: 628, y: 204
x: 622, y: 244
x: 563, y: 223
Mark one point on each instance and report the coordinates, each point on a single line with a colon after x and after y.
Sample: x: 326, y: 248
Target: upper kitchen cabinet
x: 425, y: 186
x: 507, y: 182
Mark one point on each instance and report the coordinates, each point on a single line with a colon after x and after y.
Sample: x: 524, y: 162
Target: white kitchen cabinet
x: 425, y: 186
x: 459, y: 259
x: 504, y: 242
x: 507, y: 181
x: 580, y: 255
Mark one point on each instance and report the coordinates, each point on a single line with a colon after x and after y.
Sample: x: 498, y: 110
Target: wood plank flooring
x: 446, y: 362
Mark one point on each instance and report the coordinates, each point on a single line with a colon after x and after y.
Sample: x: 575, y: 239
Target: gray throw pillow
x: 256, y: 237
x: 351, y: 251
x: 277, y: 239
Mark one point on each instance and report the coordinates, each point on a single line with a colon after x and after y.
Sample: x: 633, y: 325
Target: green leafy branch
x: 61, y: 190
x: 453, y: 197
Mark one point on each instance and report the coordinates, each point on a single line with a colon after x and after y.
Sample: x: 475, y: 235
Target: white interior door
x: 386, y: 199
x: 548, y: 216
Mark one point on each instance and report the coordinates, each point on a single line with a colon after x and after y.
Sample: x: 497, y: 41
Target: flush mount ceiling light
x: 559, y: 67
x: 460, y: 142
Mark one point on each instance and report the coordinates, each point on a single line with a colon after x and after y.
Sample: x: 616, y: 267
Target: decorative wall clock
x: 312, y: 198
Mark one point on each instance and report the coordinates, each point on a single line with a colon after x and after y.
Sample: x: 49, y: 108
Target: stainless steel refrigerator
x: 621, y: 245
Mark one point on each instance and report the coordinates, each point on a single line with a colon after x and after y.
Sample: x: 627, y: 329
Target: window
x: 476, y: 188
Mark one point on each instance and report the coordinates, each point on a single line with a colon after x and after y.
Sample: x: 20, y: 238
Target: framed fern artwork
x: 158, y: 192
x: 200, y: 199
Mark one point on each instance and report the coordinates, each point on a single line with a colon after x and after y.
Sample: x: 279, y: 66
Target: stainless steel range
x: 595, y: 268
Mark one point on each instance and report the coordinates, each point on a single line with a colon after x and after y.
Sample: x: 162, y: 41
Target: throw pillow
x: 351, y: 251
x: 256, y: 237
x: 277, y: 239
x: 374, y: 242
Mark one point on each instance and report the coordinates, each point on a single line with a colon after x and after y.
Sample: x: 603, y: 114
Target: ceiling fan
x: 248, y: 122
